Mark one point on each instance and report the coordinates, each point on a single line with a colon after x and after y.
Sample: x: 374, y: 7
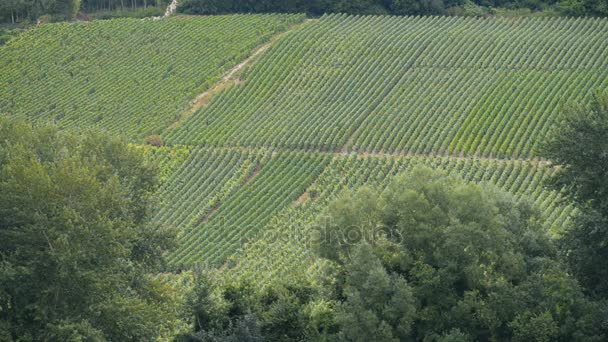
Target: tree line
x: 396, y: 7
x: 18, y: 10
x: 15, y: 11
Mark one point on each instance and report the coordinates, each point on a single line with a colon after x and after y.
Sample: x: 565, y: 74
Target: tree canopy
x: 466, y: 261
x: 76, y: 245
x: 397, y: 7
x: 579, y: 146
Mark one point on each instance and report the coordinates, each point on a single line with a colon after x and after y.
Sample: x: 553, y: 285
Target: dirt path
x: 228, y: 80
x: 231, y: 77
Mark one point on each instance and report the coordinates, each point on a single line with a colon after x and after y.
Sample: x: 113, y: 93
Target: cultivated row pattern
x: 223, y: 200
x: 441, y: 85
x: 126, y: 76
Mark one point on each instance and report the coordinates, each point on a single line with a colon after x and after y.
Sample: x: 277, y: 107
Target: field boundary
x: 341, y: 154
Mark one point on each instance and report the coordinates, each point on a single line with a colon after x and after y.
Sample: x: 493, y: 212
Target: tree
x: 76, y: 246
x: 68, y: 8
x: 579, y: 145
x: 433, y: 258
x: 378, y: 306
x: 412, y: 7
x: 10, y: 8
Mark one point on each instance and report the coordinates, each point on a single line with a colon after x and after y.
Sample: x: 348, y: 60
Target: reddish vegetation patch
x: 302, y: 199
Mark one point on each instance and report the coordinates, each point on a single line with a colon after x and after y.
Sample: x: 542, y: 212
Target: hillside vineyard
x: 419, y: 85
x: 298, y: 111
x: 126, y: 76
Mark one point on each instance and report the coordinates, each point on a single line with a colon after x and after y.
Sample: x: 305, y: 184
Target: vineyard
x: 260, y: 204
x: 133, y: 77
x: 233, y: 197
x: 431, y: 85
x: 290, y: 121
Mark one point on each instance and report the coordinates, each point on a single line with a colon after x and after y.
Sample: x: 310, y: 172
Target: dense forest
x: 19, y: 10
x: 396, y: 7
x: 13, y: 11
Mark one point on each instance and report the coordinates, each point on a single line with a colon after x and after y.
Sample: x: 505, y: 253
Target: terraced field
x: 127, y: 76
x: 330, y: 105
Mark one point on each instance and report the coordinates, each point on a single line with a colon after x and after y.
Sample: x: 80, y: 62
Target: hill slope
x: 133, y: 77
x: 435, y: 85
x: 325, y: 106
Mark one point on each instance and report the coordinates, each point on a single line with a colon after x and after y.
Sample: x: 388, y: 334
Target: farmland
x: 128, y: 76
x: 446, y: 86
x: 330, y: 104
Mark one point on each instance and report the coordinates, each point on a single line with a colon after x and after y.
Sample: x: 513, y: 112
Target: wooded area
x: 348, y: 178
x: 396, y: 7
x: 18, y: 10
x: 14, y: 11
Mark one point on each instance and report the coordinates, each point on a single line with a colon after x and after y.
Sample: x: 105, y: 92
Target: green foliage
x: 19, y: 11
x: 314, y: 7
x: 282, y: 251
x: 15, y: 11
x: 469, y: 9
x: 9, y: 33
x: 580, y: 145
x: 123, y: 7
x: 418, y: 85
x: 69, y: 331
x: 428, y: 257
x: 77, y: 246
x: 541, y: 327
x: 238, y: 311
x: 197, y: 188
x: 126, y: 76
x: 156, y: 11
x: 378, y: 306
x: 397, y: 7
x: 417, y: 7
x: 456, y: 256
x: 68, y: 8
x: 577, y: 8
x: 573, y: 8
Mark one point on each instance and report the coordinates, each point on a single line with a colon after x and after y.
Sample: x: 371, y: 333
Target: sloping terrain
x: 374, y: 95
x: 265, y: 128
x: 283, y: 247
x: 432, y: 85
x: 128, y: 76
